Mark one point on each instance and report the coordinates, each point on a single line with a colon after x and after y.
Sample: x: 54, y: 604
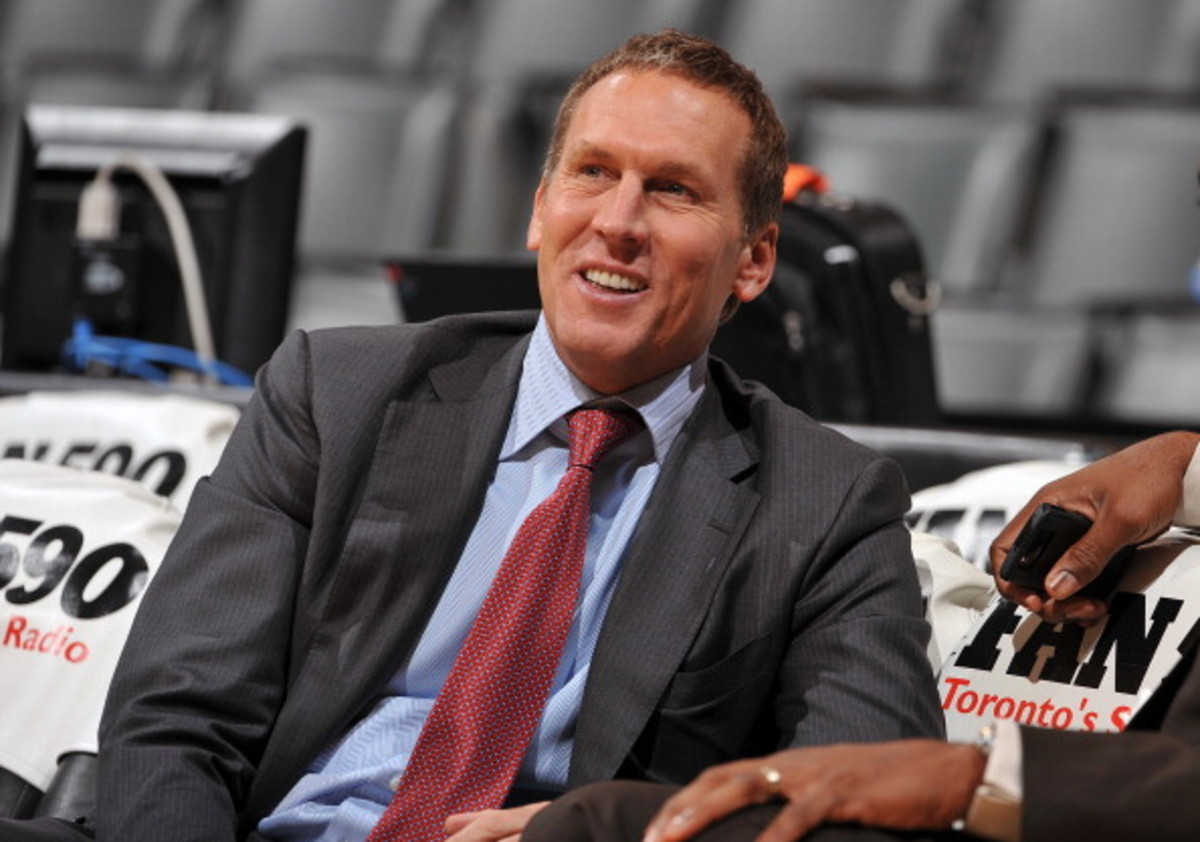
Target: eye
x: 590, y: 177
x: 673, y: 189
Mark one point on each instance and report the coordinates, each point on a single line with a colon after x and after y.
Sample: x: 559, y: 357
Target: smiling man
x: 362, y: 631
x: 639, y: 228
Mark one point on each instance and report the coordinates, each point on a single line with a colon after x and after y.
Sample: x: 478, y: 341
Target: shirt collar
x: 548, y: 390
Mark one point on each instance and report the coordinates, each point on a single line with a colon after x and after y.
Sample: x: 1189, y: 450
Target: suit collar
x: 548, y: 390
x: 477, y: 376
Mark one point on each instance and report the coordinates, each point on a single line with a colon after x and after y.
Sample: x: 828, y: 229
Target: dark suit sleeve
x: 856, y: 667
x: 206, y: 665
x: 1115, y: 787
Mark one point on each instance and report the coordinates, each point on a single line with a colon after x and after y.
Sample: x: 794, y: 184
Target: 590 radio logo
x: 161, y: 471
x: 40, y: 561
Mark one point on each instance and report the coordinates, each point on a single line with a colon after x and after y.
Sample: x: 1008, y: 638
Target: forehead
x: 656, y: 110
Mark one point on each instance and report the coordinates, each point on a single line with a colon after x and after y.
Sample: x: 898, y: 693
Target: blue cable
x: 141, y: 359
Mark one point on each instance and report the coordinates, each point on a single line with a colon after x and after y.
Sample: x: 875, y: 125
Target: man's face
x: 639, y: 228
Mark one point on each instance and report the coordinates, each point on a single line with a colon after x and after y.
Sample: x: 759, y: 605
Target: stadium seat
x: 932, y: 457
x: 44, y: 30
x: 790, y: 42
x: 954, y: 171
x: 1149, y: 368
x: 1010, y: 360
x: 265, y: 34
x: 152, y: 53
x: 1028, y: 48
x: 1114, y: 213
x: 379, y: 148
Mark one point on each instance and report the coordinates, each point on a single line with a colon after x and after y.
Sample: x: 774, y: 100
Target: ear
x: 757, y: 264
x: 533, y: 235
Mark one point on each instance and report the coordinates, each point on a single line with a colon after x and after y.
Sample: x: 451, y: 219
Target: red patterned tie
x: 471, y: 746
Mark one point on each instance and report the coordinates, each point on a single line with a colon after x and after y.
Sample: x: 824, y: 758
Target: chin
x: 604, y: 371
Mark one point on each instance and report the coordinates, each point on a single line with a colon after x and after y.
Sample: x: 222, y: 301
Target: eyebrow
x: 681, y: 170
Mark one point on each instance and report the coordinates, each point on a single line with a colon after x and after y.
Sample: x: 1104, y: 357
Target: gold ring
x: 772, y: 778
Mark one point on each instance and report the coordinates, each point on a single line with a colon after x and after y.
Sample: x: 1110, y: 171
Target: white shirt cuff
x: 1189, y: 507
x: 1003, y: 769
x: 995, y: 809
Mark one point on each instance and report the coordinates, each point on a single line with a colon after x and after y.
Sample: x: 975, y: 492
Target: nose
x: 621, y: 217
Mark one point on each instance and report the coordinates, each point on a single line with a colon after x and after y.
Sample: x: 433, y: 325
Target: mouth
x: 613, y: 281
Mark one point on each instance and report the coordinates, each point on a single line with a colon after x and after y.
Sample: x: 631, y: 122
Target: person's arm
x: 1101, y: 787
x: 1113, y: 787
x: 205, y: 667
x: 1131, y: 496
x: 902, y: 785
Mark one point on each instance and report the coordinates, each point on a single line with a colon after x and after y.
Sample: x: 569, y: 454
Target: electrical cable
x: 138, y: 358
x: 98, y: 215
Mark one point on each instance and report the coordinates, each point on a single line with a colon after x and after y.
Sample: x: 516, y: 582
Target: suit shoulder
x: 385, y: 356
x: 780, y: 426
x: 441, y: 340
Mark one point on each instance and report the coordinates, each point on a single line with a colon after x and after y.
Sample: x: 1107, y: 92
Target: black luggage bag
x: 843, y: 330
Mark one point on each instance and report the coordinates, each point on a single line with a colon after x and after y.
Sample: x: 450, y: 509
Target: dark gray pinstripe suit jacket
x: 768, y: 597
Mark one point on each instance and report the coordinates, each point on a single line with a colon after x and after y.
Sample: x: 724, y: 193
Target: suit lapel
x: 668, y: 579
x: 425, y: 483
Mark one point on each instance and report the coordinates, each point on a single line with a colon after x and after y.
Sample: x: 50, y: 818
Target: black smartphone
x: 1045, y: 537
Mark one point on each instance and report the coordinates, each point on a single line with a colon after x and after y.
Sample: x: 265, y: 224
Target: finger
x: 696, y: 806
x: 1083, y: 610
x: 680, y: 803
x: 511, y: 822
x: 796, y: 819
x: 477, y: 831
x: 1026, y: 598
x: 672, y: 823
x: 1002, y: 543
x: 458, y: 821
x: 489, y: 825
x: 1078, y: 609
x: 1086, y: 559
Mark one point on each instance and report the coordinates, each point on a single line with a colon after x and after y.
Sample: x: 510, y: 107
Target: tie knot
x: 596, y: 431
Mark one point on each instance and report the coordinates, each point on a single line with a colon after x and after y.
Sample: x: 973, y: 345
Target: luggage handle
x: 916, y: 293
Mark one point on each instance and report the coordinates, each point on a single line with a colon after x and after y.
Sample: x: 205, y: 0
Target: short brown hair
x: 704, y: 63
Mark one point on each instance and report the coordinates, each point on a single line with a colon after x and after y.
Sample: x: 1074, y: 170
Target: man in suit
x: 1024, y: 783
x: 748, y: 583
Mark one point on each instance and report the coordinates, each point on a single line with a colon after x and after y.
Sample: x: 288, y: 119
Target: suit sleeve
x: 856, y: 668
x: 1115, y: 787
x: 206, y: 664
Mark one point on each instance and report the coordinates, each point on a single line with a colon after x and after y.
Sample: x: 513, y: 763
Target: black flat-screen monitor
x: 238, y: 179
x: 432, y: 284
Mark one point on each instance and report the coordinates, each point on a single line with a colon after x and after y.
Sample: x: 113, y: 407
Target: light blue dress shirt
x: 344, y: 793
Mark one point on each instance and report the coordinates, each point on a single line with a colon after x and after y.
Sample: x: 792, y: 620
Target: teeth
x: 609, y: 280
